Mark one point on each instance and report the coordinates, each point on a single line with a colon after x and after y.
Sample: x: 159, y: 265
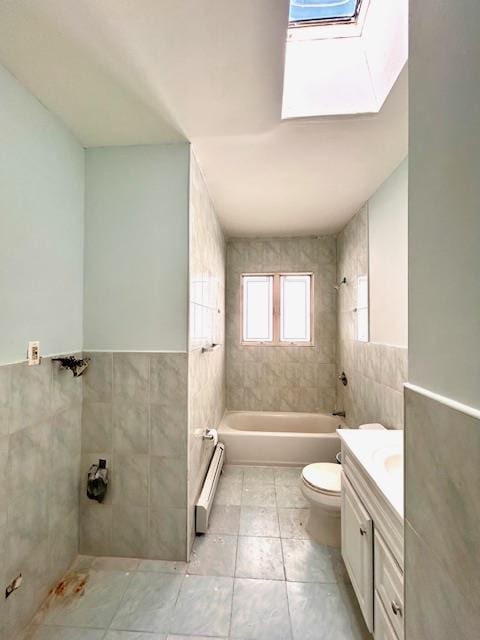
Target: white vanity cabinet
x: 357, y: 549
x: 372, y: 549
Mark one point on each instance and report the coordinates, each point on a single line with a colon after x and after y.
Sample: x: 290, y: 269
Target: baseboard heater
x: 205, y: 501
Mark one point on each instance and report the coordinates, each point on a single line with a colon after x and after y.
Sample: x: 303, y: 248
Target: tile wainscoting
x: 135, y: 416
x: 442, y: 510
x: 40, y: 436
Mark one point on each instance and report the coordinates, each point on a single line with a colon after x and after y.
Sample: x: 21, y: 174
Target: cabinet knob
x: 363, y: 531
x: 396, y: 608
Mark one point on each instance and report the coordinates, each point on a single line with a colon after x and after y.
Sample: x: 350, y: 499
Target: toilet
x: 321, y: 485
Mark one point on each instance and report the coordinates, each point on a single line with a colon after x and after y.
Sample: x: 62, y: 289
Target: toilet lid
x: 326, y: 476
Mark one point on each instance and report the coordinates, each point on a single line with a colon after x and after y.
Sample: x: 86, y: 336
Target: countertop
x: 371, y: 449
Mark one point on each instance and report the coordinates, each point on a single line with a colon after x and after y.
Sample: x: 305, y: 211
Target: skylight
x: 308, y: 11
x: 343, y: 56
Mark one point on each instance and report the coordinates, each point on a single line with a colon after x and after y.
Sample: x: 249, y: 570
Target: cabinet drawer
x: 383, y: 628
x: 389, y: 585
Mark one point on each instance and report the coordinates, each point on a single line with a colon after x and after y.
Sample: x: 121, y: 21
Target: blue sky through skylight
x: 304, y: 10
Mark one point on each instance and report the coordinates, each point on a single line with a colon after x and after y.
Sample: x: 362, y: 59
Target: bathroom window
x: 277, y: 309
x: 362, y: 329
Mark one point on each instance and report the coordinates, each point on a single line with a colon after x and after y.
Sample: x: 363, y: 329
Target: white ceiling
x: 152, y: 71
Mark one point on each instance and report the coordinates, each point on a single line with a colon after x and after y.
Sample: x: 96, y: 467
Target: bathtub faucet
x: 340, y: 414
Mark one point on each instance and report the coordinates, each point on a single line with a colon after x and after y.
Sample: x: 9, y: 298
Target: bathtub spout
x: 340, y: 414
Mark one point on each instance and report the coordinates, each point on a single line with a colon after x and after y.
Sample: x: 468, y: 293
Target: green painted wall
x: 41, y: 227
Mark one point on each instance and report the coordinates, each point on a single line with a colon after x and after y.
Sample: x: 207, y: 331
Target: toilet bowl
x: 321, y: 487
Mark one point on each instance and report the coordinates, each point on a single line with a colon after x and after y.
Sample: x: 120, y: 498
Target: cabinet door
x: 383, y: 628
x: 357, y: 548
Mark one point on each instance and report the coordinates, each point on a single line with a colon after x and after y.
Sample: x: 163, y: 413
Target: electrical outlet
x: 33, y: 353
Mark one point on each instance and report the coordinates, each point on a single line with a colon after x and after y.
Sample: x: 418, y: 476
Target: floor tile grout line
x: 174, y: 607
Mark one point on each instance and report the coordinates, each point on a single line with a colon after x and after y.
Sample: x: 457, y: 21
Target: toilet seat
x: 323, y: 477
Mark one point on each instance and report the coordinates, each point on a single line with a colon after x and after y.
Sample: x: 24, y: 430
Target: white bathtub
x: 279, y: 438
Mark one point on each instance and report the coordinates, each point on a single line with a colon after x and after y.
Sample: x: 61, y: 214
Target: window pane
x: 304, y: 10
x: 295, y: 308
x: 257, y: 308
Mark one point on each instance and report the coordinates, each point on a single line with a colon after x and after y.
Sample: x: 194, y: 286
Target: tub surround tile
x: 282, y: 378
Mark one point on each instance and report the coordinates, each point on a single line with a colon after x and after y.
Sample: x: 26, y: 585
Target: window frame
x: 276, y: 313
x: 317, y: 22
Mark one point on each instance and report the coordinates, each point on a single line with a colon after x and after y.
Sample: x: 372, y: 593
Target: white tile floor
x: 255, y: 576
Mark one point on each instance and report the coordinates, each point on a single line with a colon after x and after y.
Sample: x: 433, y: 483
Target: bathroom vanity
x: 372, y: 526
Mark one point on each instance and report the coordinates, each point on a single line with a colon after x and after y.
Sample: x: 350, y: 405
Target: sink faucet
x: 340, y: 414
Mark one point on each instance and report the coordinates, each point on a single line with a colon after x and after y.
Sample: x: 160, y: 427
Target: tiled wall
x: 375, y: 372
x: 283, y: 378
x: 206, y: 371
x: 134, y: 415
x: 442, y: 531
x: 40, y: 432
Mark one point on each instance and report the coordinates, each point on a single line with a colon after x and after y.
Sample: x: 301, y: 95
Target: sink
x: 389, y: 460
x: 394, y: 464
